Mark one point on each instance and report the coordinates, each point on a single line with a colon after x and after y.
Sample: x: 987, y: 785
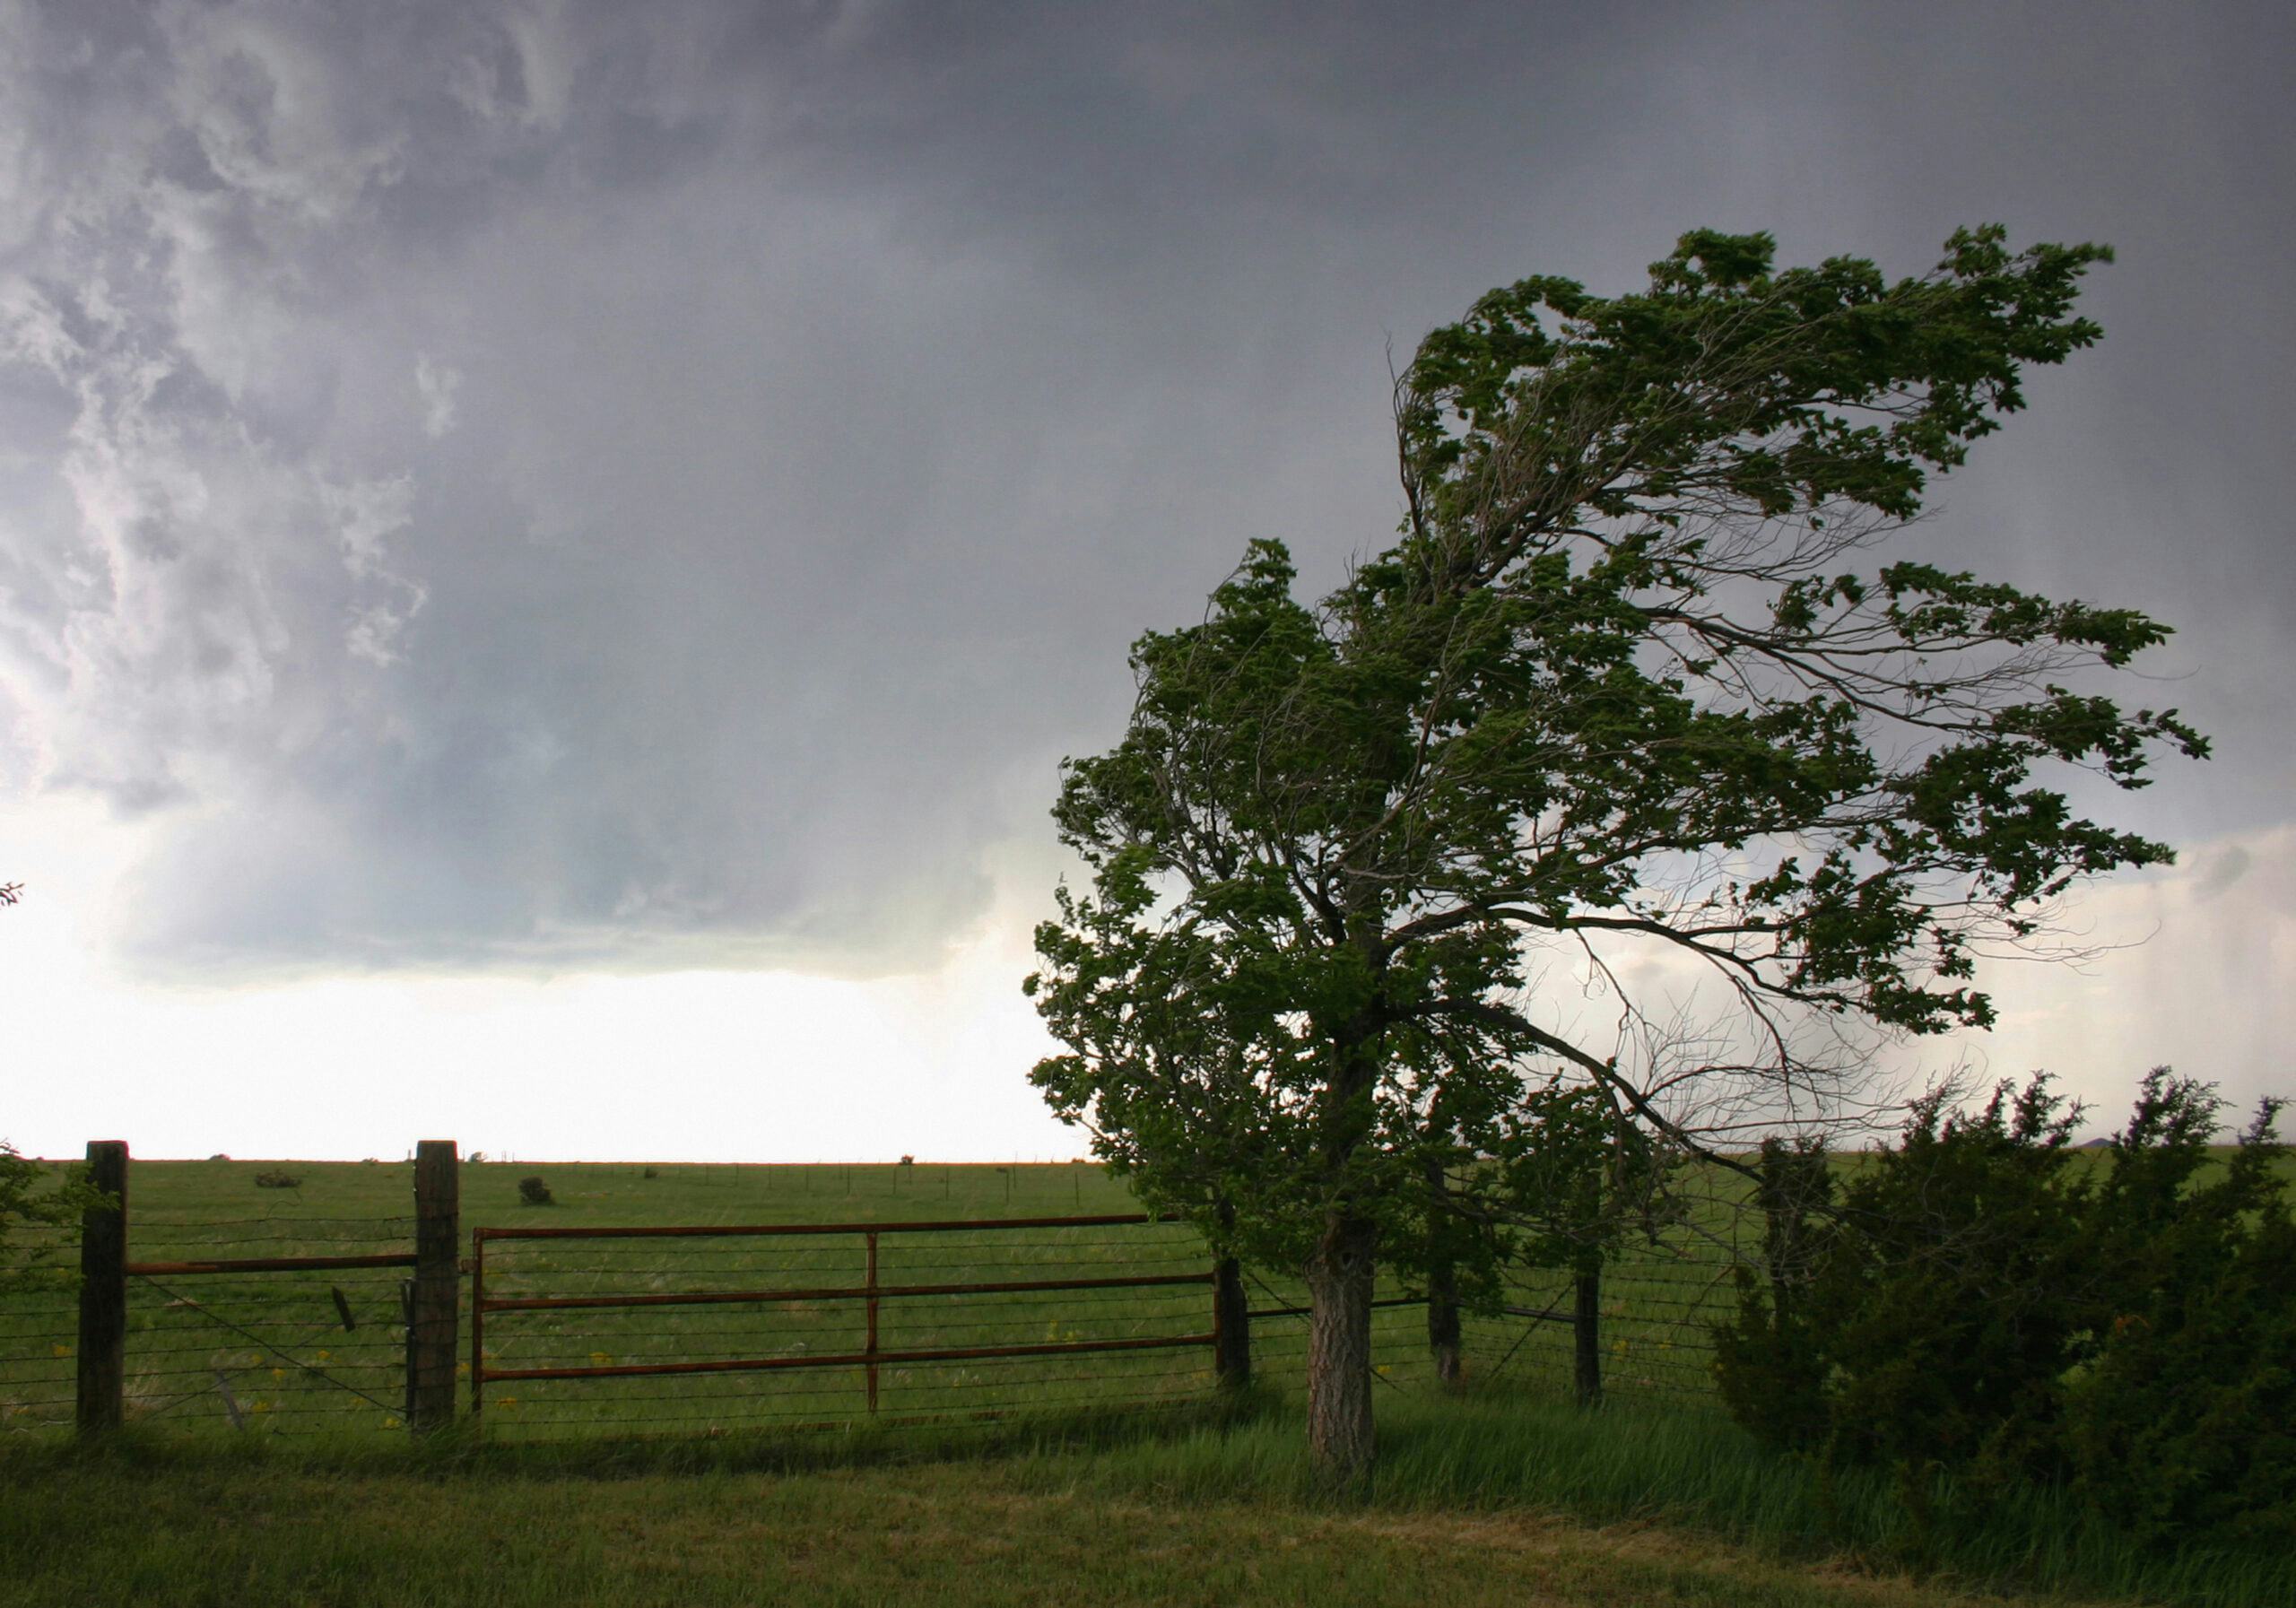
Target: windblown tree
x: 1641, y: 670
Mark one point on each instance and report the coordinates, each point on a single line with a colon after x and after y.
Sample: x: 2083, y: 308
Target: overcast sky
x: 549, y: 553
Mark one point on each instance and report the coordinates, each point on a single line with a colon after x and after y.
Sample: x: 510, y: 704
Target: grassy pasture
x: 615, y: 1492
x: 213, y: 1354
x: 223, y: 1354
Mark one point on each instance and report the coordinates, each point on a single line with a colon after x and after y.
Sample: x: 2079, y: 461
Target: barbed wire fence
x: 284, y: 1349
x: 284, y: 1321
x: 40, y: 1319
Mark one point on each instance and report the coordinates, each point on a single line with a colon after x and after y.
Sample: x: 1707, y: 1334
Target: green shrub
x: 276, y: 1179
x: 33, y: 1196
x: 534, y: 1192
x: 2185, y: 1423
x: 1980, y: 1302
x: 1767, y: 1363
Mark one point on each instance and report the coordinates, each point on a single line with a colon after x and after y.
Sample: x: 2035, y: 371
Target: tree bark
x: 1339, y: 1351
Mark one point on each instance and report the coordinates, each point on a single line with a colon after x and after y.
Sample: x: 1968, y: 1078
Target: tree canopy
x: 1650, y: 663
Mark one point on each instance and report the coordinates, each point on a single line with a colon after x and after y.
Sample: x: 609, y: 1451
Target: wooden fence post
x: 1585, y: 1329
x: 1231, y: 1326
x: 103, y: 1292
x: 433, y: 1317
x: 1231, y: 1315
x: 872, y: 1348
x: 1443, y: 1326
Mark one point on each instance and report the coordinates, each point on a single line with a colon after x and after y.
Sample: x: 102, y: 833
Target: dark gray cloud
x: 543, y: 484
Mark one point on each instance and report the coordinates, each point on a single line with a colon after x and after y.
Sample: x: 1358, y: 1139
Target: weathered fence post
x: 477, y: 1325
x: 872, y: 1351
x: 1231, y: 1326
x: 1443, y: 1326
x: 103, y: 1292
x: 1231, y: 1316
x: 1443, y: 1329
x: 1584, y: 1325
x: 434, y: 1312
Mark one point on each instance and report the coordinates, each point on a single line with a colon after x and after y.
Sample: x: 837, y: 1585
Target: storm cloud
x: 553, y: 485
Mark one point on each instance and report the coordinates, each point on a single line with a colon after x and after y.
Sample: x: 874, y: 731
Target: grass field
x: 265, y: 1461
x: 946, y: 1534
x: 304, y: 1351
x: 1478, y: 1500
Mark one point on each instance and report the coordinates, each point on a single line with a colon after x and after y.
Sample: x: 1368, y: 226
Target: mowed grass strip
x: 1482, y: 1498
x: 99, y: 1533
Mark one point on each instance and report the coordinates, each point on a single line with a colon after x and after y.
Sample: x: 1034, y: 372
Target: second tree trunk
x: 1339, y: 1351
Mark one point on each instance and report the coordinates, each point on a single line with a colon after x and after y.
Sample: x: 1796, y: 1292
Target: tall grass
x: 1678, y: 1468
x: 1681, y: 1465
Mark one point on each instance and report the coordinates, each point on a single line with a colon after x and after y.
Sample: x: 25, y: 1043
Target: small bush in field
x: 652, y: 1172
x: 908, y: 1160
x: 275, y: 1179
x: 219, y: 1156
x: 535, y: 1192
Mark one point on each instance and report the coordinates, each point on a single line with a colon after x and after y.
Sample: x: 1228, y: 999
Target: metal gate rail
x: 870, y: 1293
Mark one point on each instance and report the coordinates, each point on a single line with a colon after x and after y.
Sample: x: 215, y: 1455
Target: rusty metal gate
x: 588, y: 1328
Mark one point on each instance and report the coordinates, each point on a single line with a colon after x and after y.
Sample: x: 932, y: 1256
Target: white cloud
x: 437, y: 382
x: 2195, y: 968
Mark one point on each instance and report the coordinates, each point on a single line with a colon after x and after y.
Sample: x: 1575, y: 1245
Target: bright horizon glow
x: 779, y: 1067
x: 693, y: 1066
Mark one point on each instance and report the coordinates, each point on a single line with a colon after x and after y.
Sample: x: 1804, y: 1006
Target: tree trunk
x: 1339, y: 1352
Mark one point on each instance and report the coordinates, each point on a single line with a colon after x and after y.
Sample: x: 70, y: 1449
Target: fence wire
x: 308, y: 1351
x: 813, y: 1303
x: 245, y: 1352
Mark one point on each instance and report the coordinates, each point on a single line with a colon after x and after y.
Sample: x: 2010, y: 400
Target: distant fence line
x: 587, y: 1330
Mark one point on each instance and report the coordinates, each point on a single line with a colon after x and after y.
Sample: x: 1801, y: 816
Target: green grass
x: 934, y: 1536
x: 1684, y: 1467
x: 223, y: 1355
x: 1477, y: 1501
x: 619, y: 1491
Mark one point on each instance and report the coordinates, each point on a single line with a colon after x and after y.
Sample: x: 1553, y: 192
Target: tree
x: 1634, y: 674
